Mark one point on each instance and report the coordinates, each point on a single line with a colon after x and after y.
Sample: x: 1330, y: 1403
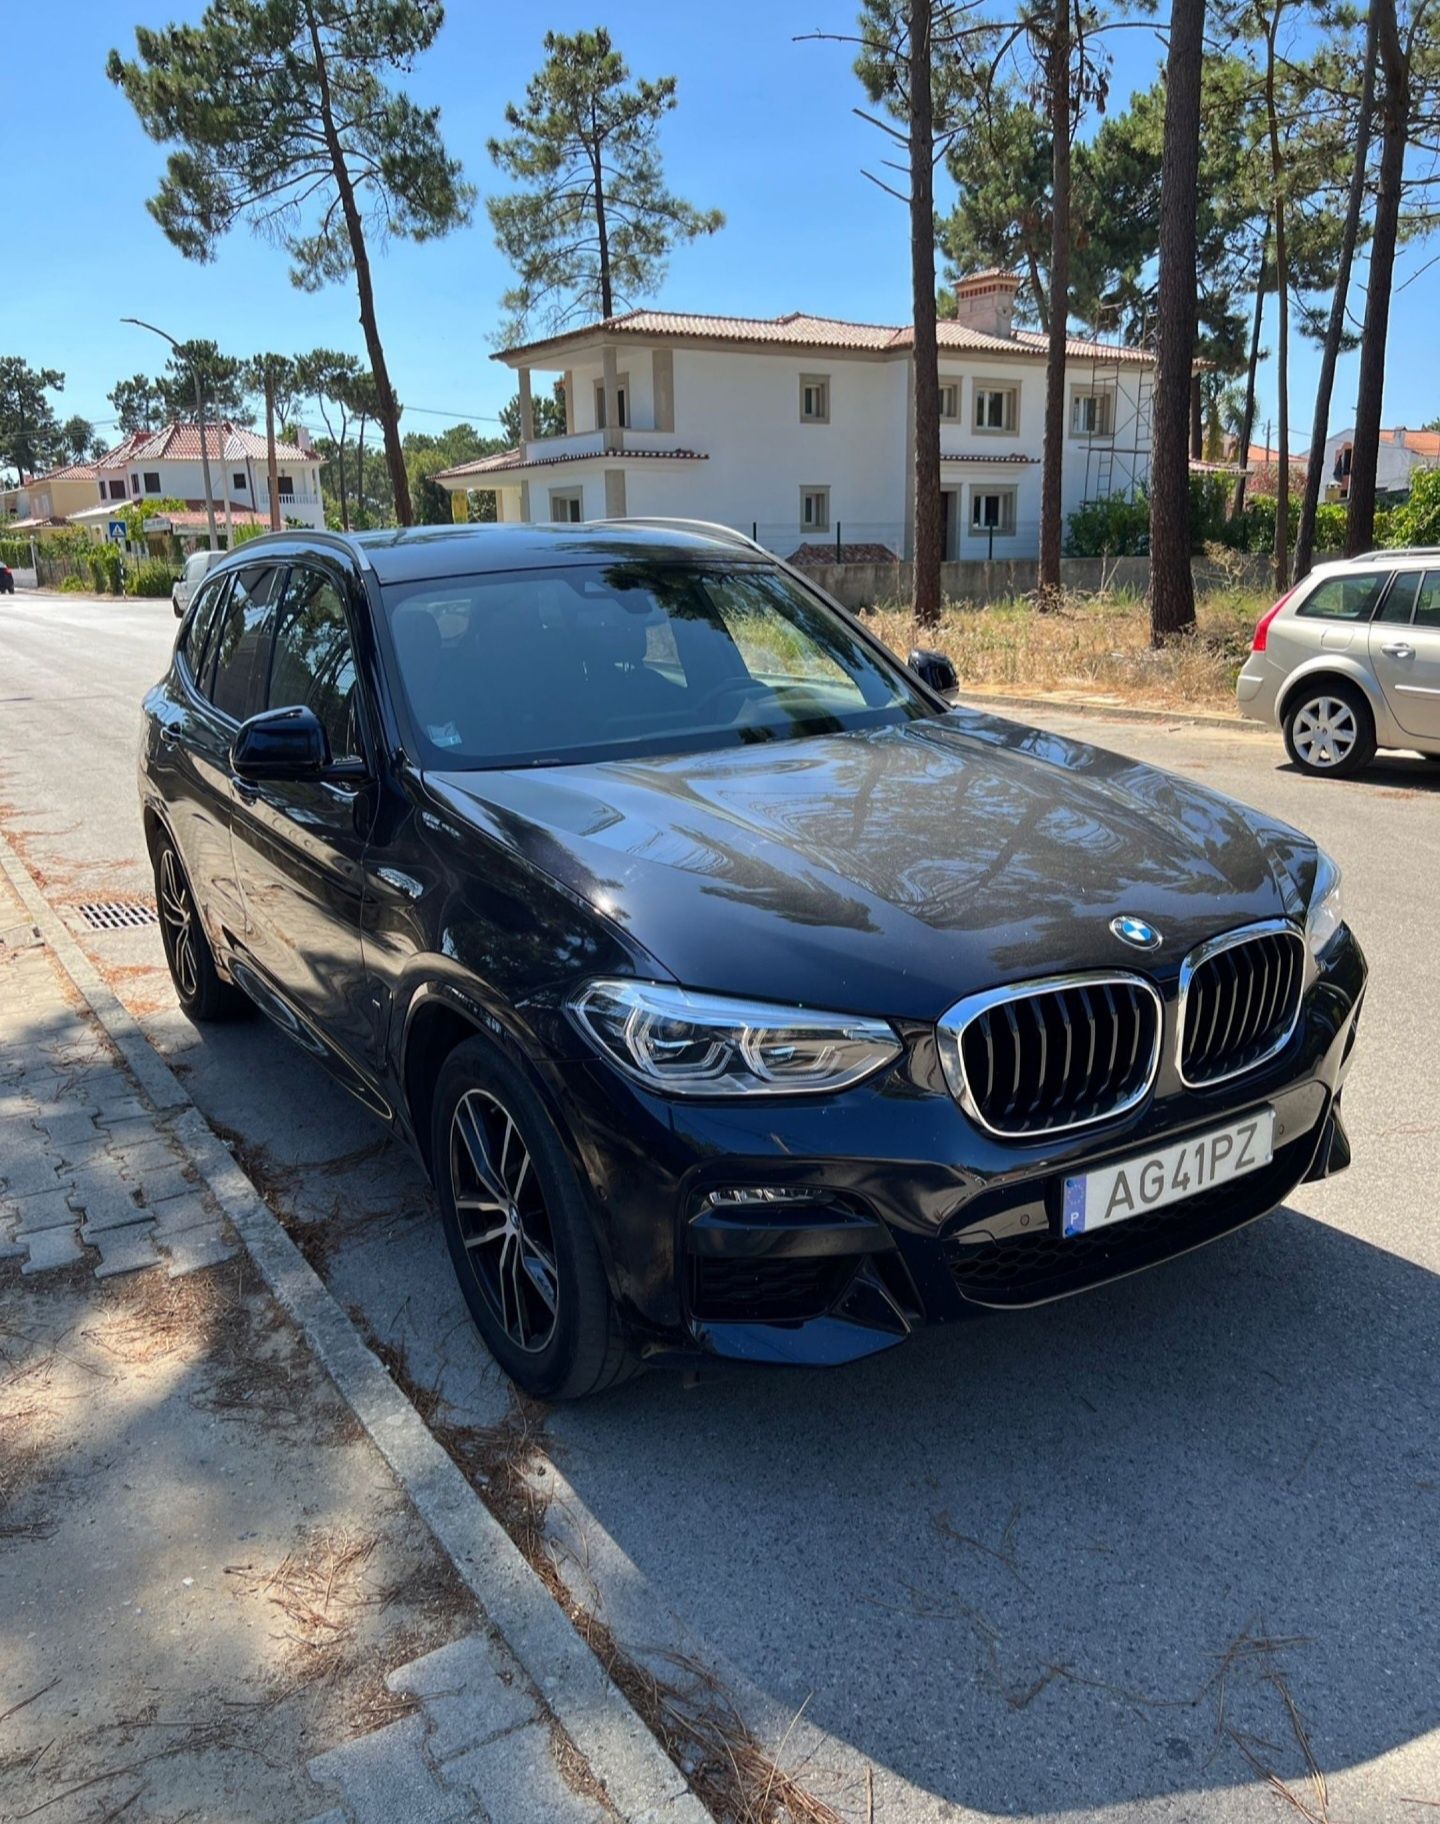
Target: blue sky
x: 764, y: 131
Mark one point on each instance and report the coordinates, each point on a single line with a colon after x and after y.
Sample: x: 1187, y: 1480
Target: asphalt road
x: 1122, y: 1558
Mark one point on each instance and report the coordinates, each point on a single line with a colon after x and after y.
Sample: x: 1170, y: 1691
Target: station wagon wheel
x: 503, y: 1220
x: 201, y: 991
x: 520, y: 1224
x: 1330, y: 730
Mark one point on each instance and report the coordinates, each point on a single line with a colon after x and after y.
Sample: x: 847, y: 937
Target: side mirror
x: 280, y: 744
x: 934, y: 669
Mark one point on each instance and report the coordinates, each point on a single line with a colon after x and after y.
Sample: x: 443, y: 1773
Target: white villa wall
x: 741, y: 407
x: 185, y: 480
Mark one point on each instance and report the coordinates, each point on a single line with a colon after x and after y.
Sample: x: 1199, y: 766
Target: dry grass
x: 1091, y: 645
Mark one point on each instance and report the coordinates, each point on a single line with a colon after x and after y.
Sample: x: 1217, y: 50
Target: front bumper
x: 911, y: 1214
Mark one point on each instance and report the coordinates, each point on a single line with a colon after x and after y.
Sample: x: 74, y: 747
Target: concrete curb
x: 640, y: 1780
x: 1115, y: 712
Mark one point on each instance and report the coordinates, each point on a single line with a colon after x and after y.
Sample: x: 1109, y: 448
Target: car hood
x: 894, y: 870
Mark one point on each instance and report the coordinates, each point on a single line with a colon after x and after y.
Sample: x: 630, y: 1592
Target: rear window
x: 1344, y: 598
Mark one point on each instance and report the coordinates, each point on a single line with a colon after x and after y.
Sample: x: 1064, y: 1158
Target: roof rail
x: 1397, y: 551
x: 337, y: 541
x: 662, y: 523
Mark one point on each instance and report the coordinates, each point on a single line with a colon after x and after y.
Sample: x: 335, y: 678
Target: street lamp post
x: 200, y: 414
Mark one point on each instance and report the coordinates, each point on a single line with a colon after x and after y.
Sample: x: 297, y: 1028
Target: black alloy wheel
x: 520, y: 1227
x: 201, y: 991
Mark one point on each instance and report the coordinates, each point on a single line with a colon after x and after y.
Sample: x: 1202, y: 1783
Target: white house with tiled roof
x: 796, y: 428
x: 166, y: 465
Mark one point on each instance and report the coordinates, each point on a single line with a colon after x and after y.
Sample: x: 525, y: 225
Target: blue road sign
x: 116, y: 533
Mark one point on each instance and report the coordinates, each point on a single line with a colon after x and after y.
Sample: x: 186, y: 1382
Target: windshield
x: 613, y: 661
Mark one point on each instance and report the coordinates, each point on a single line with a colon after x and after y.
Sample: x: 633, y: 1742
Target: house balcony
x: 576, y: 444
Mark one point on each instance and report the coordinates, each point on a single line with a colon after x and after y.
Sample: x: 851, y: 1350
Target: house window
x: 152, y: 481
x: 285, y: 487
x: 117, y: 490
x: 950, y: 399
x: 815, y: 509
x: 134, y: 484
x: 995, y: 408
x: 1092, y: 414
x: 814, y: 399
x: 566, y: 506
x: 622, y: 401
x: 992, y: 510
x: 237, y: 484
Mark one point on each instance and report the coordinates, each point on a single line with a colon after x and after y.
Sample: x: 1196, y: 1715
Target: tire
x: 202, y: 994
x: 175, y: 604
x: 519, y: 1230
x: 1329, y: 730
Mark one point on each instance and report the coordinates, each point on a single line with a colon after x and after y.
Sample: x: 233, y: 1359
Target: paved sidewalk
x: 215, y: 1599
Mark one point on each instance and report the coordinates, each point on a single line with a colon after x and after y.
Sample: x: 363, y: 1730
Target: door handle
x: 169, y: 734
x: 1398, y: 650
x: 244, y: 788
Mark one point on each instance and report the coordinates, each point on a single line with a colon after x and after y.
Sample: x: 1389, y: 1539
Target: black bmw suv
x: 742, y: 996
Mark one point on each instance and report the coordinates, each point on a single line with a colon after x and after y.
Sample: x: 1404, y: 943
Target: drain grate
x: 117, y: 914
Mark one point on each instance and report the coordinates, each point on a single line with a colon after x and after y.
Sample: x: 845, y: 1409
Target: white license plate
x: 1151, y: 1180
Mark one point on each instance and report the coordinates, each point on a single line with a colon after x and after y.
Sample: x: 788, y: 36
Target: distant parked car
x: 1349, y: 662
x: 7, y: 580
x: 197, y: 566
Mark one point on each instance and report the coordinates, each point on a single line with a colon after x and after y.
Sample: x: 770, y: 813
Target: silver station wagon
x: 1349, y: 662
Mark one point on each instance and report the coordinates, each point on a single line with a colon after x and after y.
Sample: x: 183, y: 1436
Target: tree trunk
x: 1335, y: 327
x: 272, y: 472
x: 1052, y: 474
x: 362, y: 518
x: 1394, y: 128
x: 1042, y: 310
x: 205, y: 462
x: 1172, y: 584
x: 389, y: 412
x: 927, y: 524
x: 1282, y: 301
x: 602, y: 233
x: 1247, y: 426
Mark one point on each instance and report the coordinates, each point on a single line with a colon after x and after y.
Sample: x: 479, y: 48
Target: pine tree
x: 592, y: 225
x: 281, y: 117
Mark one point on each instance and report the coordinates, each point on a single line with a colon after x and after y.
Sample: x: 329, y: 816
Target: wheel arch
x: 1331, y: 669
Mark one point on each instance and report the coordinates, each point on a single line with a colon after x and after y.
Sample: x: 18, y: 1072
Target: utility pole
x: 200, y: 417
x: 272, y: 467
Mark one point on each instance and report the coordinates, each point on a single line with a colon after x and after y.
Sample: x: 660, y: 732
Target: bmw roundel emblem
x: 1135, y: 931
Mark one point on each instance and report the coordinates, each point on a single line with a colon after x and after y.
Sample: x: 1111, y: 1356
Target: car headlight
x: 1325, y: 915
x: 686, y: 1044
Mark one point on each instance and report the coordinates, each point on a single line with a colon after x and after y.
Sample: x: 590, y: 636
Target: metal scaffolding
x: 1118, y: 461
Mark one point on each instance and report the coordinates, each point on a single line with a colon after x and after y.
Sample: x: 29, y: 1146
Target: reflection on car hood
x: 894, y: 870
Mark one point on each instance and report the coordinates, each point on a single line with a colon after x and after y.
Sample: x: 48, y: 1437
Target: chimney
x: 302, y: 440
x: 1400, y: 436
x: 985, y: 301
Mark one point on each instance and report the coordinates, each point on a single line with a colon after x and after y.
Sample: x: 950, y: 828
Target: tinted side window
x: 1427, y: 608
x: 236, y: 681
x: 197, y: 627
x: 1344, y: 598
x: 1400, y: 603
x: 313, y: 662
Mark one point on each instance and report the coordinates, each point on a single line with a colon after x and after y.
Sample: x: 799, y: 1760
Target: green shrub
x: 151, y: 576
x: 1417, y: 520
x: 104, y: 563
x: 1330, y: 526
x: 1114, y: 527
x: 15, y: 552
x: 73, y: 585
